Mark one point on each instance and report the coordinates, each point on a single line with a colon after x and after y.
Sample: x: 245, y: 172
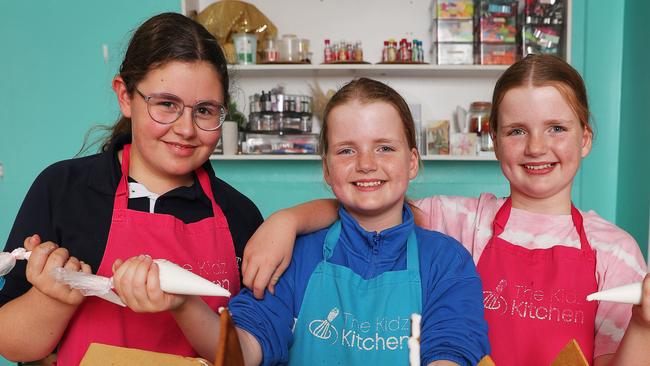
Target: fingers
x: 248, y: 275
x: 262, y: 279
x: 153, y: 284
x: 118, y: 262
x: 38, y: 259
x: 137, y: 282
x: 645, y: 294
x: 72, y: 264
x: 275, y: 277
x: 32, y: 241
x: 85, y: 268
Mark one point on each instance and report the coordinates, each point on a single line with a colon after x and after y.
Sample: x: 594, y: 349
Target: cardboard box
x: 105, y: 355
x: 570, y: 355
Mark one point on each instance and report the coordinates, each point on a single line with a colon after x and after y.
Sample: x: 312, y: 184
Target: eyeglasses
x: 168, y: 108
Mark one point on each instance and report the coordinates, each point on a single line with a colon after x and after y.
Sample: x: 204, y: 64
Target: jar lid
x: 480, y: 106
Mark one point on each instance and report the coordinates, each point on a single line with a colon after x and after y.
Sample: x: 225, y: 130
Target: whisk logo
x: 323, y: 328
x: 492, y: 300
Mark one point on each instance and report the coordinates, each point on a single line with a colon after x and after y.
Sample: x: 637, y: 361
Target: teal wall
x: 601, y: 68
x: 56, y: 85
x: 633, y: 209
x: 615, y: 178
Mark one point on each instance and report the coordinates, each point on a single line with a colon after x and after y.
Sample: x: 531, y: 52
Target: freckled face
x: 539, y: 143
x: 173, y: 150
x: 369, y: 163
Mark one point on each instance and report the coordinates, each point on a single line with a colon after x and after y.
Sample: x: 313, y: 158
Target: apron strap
x: 501, y: 218
x: 122, y: 192
x: 576, y: 216
x: 331, y: 239
x: 412, y: 255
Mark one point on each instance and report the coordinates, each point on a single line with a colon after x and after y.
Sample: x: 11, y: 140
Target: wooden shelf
x: 316, y: 157
x: 402, y: 70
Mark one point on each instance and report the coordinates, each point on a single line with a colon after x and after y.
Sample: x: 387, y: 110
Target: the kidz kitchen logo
x: 559, y: 305
x: 382, y: 334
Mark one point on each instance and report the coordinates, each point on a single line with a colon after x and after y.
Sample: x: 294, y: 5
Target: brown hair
x: 162, y: 39
x: 366, y: 91
x: 543, y: 70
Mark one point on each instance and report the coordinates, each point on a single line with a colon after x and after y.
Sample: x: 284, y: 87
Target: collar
x: 388, y: 244
x: 106, y: 173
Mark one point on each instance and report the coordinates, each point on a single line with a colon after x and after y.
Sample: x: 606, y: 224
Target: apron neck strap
x: 502, y: 216
x: 123, y: 185
x: 576, y: 216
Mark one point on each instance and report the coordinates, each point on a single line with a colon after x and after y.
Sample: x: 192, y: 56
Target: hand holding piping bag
x: 144, y: 284
x: 43, y: 258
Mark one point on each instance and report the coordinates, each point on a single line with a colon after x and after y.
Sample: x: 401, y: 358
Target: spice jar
x: 478, y: 119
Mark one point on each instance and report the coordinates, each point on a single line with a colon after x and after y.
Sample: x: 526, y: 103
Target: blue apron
x: 346, y: 320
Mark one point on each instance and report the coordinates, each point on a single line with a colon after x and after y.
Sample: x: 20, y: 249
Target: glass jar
x: 478, y: 120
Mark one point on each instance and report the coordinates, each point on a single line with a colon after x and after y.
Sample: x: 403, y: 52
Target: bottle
x: 268, y: 106
x: 327, y: 52
x: 415, y: 53
x: 392, y: 51
x: 384, y: 52
x: 358, y: 52
x: 343, y: 52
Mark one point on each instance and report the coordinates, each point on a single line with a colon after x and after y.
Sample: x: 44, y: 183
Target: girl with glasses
x: 537, y: 255
x: 150, y: 192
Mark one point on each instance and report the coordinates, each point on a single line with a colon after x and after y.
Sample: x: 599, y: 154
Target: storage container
x: 453, y: 53
x: 453, y: 30
x: 281, y: 144
x: 453, y: 9
x: 498, y: 54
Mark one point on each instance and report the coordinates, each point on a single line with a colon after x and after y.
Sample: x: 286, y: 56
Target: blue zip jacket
x: 453, y: 327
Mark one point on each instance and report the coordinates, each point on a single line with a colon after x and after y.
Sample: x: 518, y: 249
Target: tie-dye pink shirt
x: 618, y: 258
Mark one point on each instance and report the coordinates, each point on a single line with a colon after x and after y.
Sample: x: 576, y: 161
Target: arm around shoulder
x: 268, y: 252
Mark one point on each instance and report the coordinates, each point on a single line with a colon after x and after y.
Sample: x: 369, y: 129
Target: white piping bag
x: 173, y: 279
x: 8, y: 260
x: 628, y: 294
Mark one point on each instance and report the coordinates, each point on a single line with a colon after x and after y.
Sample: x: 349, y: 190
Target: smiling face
x: 369, y: 163
x: 164, y: 156
x: 540, y: 143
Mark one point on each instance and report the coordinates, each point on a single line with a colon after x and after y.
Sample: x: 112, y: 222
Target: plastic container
x: 498, y: 54
x: 281, y: 144
x: 270, y: 51
x: 454, y: 30
x: 498, y: 30
x: 245, y: 48
x: 454, y: 9
x: 289, y: 48
x: 454, y: 53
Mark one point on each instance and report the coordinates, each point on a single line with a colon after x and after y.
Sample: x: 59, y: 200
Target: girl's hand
x: 268, y: 253
x: 641, y: 313
x: 44, y: 258
x: 137, y: 282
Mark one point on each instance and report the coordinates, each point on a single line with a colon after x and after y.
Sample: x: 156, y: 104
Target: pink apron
x: 204, y: 247
x: 535, y: 299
